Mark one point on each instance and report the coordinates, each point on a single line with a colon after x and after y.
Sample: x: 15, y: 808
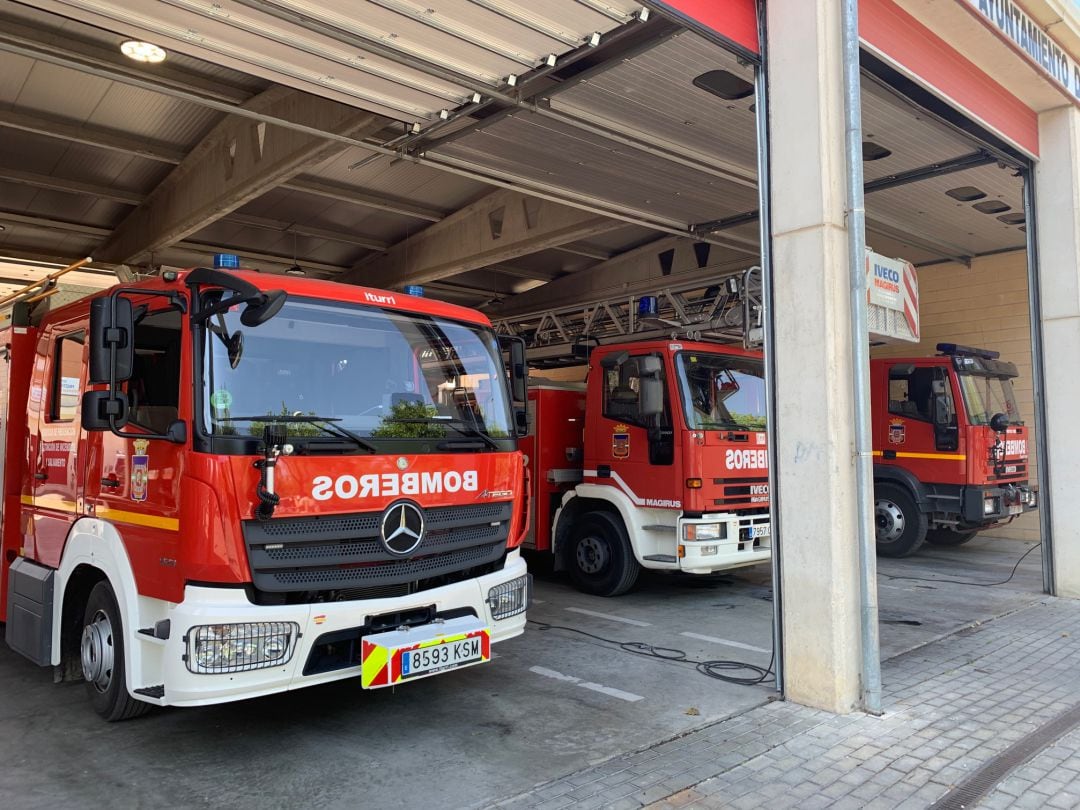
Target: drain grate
x: 982, y: 781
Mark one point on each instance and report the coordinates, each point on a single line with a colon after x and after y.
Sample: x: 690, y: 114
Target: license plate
x: 762, y: 530
x: 399, y: 655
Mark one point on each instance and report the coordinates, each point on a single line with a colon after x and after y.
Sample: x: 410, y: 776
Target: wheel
x: 900, y: 524
x: 949, y: 537
x: 598, y: 557
x: 102, y: 647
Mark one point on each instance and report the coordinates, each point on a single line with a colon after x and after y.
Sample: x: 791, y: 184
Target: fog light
x: 708, y: 550
x: 214, y: 648
x: 704, y: 531
x: 990, y: 506
x: 509, y: 598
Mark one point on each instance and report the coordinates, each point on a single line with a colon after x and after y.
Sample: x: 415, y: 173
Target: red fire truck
x: 950, y: 448
x: 219, y: 485
x: 659, y: 461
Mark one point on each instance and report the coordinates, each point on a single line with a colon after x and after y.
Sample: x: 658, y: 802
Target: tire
x: 949, y: 537
x: 598, y: 557
x: 899, y: 523
x: 102, y: 653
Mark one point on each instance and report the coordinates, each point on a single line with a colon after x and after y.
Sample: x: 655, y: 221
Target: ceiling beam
x: 589, y: 252
x: 53, y: 224
x: 70, y: 186
x: 167, y: 74
x: 208, y: 248
x: 88, y: 135
x: 645, y: 269
x: 523, y: 272
x: 355, y: 196
x: 346, y: 237
x: 237, y: 161
x: 496, y: 228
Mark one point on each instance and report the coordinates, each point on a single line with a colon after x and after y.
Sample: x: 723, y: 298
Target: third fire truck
x: 950, y: 448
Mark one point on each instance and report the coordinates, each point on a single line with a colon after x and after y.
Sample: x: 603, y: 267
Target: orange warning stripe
x: 942, y: 456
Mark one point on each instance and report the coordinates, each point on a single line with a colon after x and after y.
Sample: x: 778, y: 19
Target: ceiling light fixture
x: 140, y: 51
x: 296, y: 270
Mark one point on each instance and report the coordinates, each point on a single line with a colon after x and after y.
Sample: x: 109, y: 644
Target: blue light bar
x: 414, y: 289
x: 956, y: 349
x: 647, y: 306
x: 226, y: 261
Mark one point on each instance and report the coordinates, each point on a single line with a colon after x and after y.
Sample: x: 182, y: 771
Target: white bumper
x: 209, y: 605
x: 734, y: 549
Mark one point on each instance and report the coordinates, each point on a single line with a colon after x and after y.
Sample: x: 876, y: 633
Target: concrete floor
x: 550, y: 704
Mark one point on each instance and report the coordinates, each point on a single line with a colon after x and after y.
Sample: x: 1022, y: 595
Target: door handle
x: 110, y: 482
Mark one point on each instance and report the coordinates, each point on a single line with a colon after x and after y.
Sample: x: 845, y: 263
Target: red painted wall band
x: 734, y: 19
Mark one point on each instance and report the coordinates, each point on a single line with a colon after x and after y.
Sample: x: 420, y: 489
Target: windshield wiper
x: 460, y: 425
x: 324, y: 422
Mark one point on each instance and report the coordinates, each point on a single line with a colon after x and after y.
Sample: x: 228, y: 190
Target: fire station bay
x: 609, y: 368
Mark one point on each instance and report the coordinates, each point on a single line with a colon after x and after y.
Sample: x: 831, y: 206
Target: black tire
x: 598, y: 557
x: 102, y: 651
x: 949, y: 537
x: 899, y: 523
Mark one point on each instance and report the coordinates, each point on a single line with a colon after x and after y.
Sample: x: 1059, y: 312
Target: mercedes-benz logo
x: 402, y: 528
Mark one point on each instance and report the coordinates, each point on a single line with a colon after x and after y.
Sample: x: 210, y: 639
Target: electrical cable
x: 712, y: 669
x: 968, y: 582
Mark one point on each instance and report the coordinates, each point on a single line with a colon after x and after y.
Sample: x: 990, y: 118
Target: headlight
x: 704, y: 531
x: 214, y: 648
x: 990, y: 505
x: 509, y: 598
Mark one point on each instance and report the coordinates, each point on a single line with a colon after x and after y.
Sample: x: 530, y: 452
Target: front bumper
x: 735, y: 547
x: 210, y: 605
x: 987, y: 505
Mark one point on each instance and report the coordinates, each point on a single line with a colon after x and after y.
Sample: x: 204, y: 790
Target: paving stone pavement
x: 949, y: 707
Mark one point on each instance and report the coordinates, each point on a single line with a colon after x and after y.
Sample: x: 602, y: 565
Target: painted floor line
x: 610, y: 691
x: 726, y: 642
x: 609, y: 616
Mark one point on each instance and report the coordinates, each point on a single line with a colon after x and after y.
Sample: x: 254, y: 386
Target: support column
x: 814, y: 435
x: 1057, y: 215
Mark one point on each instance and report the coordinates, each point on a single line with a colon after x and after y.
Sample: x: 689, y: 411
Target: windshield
x: 370, y: 372
x: 722, y: 392
x: 986, y: 395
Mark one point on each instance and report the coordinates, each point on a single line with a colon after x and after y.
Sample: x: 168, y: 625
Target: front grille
x: 344, y: 552
x: 742, y: 493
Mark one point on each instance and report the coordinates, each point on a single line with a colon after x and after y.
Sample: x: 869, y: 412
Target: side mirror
x: 263, y: 308
x: 999, y: 423
x: 519, y: 371
x: 112, y: 348
x: 521, y: 421
x: 650, y: 366
x: 103, y: 411
x: 651, y: 397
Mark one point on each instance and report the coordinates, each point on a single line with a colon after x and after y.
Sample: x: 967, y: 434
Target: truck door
x: 909, y: 436
x: 54, y: 453
x: 635, y: 449
x: 134, y: 483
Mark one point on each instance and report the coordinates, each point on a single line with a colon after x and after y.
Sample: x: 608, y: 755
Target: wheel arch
x: 94, y: 552
x: 888, y: 474
x: 575, y: 504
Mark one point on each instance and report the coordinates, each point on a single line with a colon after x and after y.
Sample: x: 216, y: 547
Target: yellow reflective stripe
x: 372, y: 666
x: 139, y: 519
x: 57, y: 502
x: 119, y: 515
x: 943, y: 456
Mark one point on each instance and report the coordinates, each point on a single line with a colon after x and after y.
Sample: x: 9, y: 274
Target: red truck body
x: 617, y: 489
x: 216, y: 601
x: 950, y: 448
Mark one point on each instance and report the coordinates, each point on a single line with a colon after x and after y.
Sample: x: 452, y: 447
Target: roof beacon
x: 226, y: 261
x: 955, y: 349
x: 414, y: 289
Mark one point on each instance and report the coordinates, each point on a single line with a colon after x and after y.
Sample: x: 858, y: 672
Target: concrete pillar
x: 814, y: 434
x: 1057, y: 210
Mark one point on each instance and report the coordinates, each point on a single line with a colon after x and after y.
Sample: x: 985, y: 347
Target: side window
x: 67, y: 377
x: 154, y: 388
x: 911, y: 391
x: 622, y: 391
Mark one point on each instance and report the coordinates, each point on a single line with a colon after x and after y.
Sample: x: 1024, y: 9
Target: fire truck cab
x: 219, y: 485
x: 659, y: 461
x: 950, y: 448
